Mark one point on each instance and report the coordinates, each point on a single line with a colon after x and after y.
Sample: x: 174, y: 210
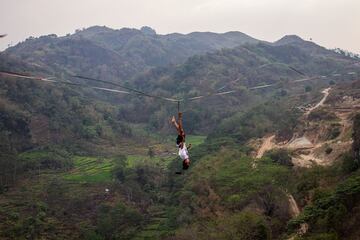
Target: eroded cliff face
x: 324, y: 132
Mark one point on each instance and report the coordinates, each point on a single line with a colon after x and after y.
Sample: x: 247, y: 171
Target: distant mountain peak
x: 148, y: 30
x: 287, y: 39
x: 96, y: 29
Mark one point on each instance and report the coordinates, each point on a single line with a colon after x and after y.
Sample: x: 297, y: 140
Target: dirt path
x: 326, y: 93
x: 310, y: 152
x: 265, y: 146
x: 303, y: 142
x: 304, y: 160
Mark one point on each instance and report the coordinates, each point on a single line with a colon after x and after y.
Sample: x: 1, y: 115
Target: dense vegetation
x: 119, y: 54
x: 81, y: 164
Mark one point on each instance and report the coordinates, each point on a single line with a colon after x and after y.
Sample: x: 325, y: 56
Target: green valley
x: 274, y: 128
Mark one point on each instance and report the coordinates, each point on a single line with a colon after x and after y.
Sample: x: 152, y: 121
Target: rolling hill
x: 120, y: 54
x: 77, y: 163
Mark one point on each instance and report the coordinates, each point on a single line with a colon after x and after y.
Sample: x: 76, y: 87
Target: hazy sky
x: 330, y: 23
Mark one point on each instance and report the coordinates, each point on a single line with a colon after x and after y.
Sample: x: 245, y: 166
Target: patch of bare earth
x: 311, y: 144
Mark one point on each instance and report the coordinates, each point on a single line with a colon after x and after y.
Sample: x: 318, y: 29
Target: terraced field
x: 195, y: 140
x: 91, y: 169
x: 84, y: 180
x: 154, y: 230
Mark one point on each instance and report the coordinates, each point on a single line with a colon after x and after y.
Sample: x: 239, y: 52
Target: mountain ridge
x: 62, y: 146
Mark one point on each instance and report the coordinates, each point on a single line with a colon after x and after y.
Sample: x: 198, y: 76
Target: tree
x: 55, y: 190
x: 8, y: 160
x: 356, y: 138
x: 117, y: 222
x: 151, y: 152
x: 280, y: 156
x: 119, y: 168
x: 308, y: 88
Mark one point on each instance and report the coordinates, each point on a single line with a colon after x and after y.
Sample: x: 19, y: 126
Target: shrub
x: 329, y: 210
x: 48, y: 158
x: 245, y: 225
x: 321, y: 114
x: 55, y: 190
x: 308, y: 88
x: 88, y: 132
x: 119, y: 169
x: 328, y: 150
x: 334, y: 132
x: 119, y: 222
x: 280, y: 156
x: 349, y: 164
x: 322, y: 236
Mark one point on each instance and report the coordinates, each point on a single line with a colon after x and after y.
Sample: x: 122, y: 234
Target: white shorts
x: 183, y: 152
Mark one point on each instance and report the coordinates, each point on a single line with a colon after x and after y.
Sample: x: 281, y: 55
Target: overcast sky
x: 330, y: 23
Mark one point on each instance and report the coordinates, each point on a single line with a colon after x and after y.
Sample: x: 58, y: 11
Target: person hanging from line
x: 180, y: 141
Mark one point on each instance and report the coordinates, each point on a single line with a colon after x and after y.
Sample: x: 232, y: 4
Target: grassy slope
x: 157, y: 227
x: 90, y: 169
x: 222, y: 184
x: 195, y: 140
x: 86, y: 181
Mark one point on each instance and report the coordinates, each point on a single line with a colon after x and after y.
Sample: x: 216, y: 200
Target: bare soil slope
x: 324, y: 132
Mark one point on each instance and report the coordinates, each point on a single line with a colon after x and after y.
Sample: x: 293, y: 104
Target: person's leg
x: 181, y: 129
x: 173, y: 120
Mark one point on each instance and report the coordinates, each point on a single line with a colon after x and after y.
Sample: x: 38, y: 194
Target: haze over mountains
x: 177, y: 65
x: 131, y: 50
x: 174, y: 64
x: 120, y: 55
x: 78, y: 163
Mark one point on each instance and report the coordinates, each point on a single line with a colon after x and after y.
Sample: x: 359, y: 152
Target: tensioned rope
x: 215, y: 93
x: 307, y: 78
x: 262, y: 66
x: 131, y: 90
x: 50, y: 79
x: 238, y: 79
x: 127, y: 88
x: 136, y: 92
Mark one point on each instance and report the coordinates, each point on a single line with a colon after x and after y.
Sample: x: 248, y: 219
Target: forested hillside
x: 80, y: 163
x: 118, y: 55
